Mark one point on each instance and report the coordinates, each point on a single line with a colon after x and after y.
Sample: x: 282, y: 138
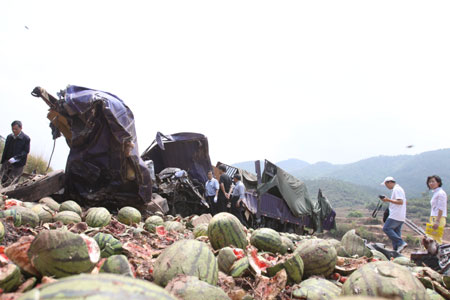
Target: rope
x: 51, y: 156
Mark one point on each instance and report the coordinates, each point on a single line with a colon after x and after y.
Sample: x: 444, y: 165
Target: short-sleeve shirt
x: 438, y: 202
x: 226, y: 180
x: 211, y: 187
x: 239, y: 190
x: 396, y: 211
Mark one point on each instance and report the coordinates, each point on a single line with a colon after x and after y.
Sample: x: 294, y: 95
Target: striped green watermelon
x: 62, y: 253
x: 2, y: 231
x: 95, y: 287
x: 240, y: 267
x: 70, y: 205
x: 224, y: 230
x: 287, y: 244
x: 152, y: 222
x: 108, y: 244
x: 98, y: 217
x: 191, y: 288
x: 267, y: 239
x: 12, y: 213
x: 378, y: 255
x: 226, y: 259
x: 173, y: 226
x: 50, y: 203
x: 67, y: 217
x: 355, y: 245
x: 384, y: 279
x: 27, y: 216
x: 317, y: 288
x: 403, y: 261
x: 117, y: 264
x: 129, y: 215
x: 200, y: 230
x: 44, y: 213
x: 189, y: 257
x: 10, y: 278
x: 319, y: 257
x: 294, y: 267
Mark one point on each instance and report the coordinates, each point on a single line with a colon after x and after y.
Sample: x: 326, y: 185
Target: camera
x: 381, y: 197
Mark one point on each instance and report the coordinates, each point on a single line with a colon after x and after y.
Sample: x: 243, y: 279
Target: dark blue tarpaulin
x: 100, y: 161
x: 186, y: 150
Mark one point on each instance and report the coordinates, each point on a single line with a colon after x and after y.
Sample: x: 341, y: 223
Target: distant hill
x: 360, y: 181
x: 288, y: 165
x: 410, y: 171
x: 341, y: 193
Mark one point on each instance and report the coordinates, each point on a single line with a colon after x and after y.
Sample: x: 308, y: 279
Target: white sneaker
x: 402, y: 247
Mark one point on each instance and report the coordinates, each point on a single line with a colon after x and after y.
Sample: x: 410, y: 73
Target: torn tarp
x: 103, y: 167
x: 186, y: 150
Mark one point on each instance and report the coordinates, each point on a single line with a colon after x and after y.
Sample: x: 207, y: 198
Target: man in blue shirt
x: 211, y: 192
x: 237, y: 198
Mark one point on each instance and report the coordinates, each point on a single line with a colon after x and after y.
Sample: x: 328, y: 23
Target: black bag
x: 385, y: 215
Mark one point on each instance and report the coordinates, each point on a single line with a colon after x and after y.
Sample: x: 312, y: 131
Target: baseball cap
x: 389, y: 178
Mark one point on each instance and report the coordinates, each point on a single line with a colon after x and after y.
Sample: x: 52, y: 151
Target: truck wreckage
x: 104, y: 168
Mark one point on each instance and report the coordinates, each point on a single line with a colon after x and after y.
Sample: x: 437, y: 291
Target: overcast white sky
x: 333, y: 81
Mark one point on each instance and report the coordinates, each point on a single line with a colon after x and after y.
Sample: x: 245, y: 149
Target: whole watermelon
x: 44, y: 212
x: 61, y: 253
x: 98, y: 217
x: 354, y: 245
x: 224, y: 230
x: 108, y: 244
x: 201, y: 230
x: 129, y: 215
x: 117, y: 264
x: 319, y: 257
x: 191, y: 288
x: 317, y: 288
x: 67, y: 217
x: 267, y: 239
x: 189, y: 257
x: 384, y: 279
x: 70, y: 205
x: 101, y: 286
x: 152, y: 222
x: 52, y: 204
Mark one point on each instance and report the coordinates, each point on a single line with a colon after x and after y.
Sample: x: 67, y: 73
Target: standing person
x: 211, y: 192
x: 14, y: 158
x: 438, y: 206
x: 237, y: 198
x: 224, y: 190
x: 397, y: 214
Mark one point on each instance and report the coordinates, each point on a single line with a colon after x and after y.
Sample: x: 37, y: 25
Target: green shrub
x: 355, y: 214
x: 412, y: 241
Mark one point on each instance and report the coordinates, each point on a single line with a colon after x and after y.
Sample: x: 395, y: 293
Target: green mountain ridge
x: 359, y: 182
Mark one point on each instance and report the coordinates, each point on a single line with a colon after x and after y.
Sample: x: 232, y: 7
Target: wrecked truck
x: 181, y: 163
x: 103, y: 167
x: 278, y: 200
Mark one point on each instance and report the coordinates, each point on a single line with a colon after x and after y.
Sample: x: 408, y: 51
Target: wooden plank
x: 41, y: 186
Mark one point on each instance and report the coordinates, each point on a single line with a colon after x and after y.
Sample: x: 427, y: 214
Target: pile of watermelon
x: 51, y: 250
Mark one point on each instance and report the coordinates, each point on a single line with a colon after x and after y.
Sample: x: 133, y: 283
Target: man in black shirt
x: 224, y: 190
x: 14, y: 158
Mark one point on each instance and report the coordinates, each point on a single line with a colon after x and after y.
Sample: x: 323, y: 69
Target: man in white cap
x: 397, y: 214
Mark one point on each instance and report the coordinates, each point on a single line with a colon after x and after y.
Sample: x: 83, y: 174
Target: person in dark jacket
x: 14, y: 158
x: 224, y: 189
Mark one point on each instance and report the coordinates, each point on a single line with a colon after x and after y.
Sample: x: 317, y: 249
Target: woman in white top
x: 438, y: 203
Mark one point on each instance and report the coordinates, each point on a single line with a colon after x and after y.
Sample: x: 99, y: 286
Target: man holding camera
x: 397, y: 213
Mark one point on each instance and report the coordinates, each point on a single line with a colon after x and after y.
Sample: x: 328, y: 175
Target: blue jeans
x: 393, y: 230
